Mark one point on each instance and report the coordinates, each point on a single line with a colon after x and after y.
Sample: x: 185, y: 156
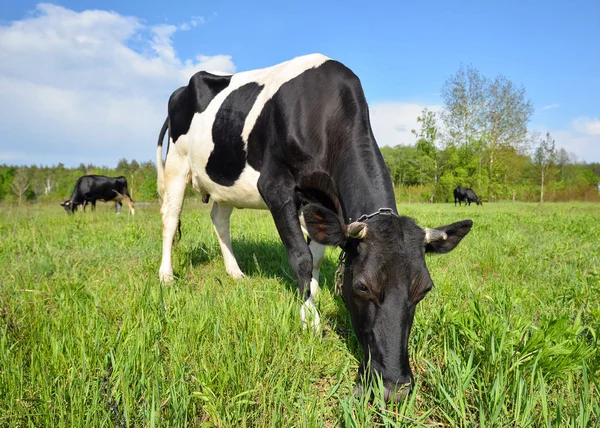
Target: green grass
x: 88, y: 336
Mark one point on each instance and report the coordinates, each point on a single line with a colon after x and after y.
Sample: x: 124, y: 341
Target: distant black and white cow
x: 467, y: 195
x: 92, y: 188
x: 296, y: 139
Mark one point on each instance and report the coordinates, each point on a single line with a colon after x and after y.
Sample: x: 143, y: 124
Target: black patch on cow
x: 228, y: 158
x: 193, y: 98
x: 308, y: 115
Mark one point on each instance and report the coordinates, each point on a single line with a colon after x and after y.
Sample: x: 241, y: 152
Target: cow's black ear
x: 323, y: 225
x: 455, y: 232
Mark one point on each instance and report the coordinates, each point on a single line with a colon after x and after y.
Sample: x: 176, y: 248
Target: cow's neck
x: 364, y: 185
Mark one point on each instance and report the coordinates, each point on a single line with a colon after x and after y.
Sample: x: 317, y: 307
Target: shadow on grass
x: 270, y: 260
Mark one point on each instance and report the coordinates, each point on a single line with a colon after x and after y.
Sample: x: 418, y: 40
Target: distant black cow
x: 462, y: 194
x: 92, y: 188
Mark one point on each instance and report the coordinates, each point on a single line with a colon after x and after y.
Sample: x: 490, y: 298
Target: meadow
x: 89, y: 337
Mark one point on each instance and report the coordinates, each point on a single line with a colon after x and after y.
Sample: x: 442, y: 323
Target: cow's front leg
x: 220, y: 215
x: 318, y: 253
x: 283, y: 207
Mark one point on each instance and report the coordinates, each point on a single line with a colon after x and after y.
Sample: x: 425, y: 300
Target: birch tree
x: 545, y: 154
x: 20, y: 184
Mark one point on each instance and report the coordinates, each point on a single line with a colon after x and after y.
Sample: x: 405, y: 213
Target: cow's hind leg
x: 278, y: 194
x: 220, y: 215
x: 175, y: 182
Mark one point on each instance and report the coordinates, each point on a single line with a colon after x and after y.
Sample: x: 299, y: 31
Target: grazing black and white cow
x: 466, y: 195
x: 92, y: 188
x: 296, y: 139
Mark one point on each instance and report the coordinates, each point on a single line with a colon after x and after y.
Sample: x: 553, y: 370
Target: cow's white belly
x: 243, y: 194
x: 244, y: 191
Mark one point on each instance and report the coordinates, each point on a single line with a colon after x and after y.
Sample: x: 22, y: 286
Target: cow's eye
x: 361, y: 287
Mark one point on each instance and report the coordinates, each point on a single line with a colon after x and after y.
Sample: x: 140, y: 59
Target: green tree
x: 464, y: 99
x: 400, y: 161
x: 507, y: 112
x: 7, y: 174
x: 428, y: 156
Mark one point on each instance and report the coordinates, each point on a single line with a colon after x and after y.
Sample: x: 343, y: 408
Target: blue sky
x: 88, y: 81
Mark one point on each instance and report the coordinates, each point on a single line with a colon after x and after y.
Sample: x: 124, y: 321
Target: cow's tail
x: 160, y: 166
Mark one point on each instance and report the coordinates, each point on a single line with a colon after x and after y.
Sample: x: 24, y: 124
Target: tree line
x: 479, y: 140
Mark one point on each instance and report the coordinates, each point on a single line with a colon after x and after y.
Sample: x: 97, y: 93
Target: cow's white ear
x: 323, y: 225
x: 454, y: 232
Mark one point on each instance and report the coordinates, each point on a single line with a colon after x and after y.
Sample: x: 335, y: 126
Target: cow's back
x: 99, y: 187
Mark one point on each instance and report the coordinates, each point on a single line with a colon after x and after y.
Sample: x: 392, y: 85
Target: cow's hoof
x: 236, y: 274
x: 309, y: 315
x: 397, y: 393
x: 166, y: 277
x: 394, y: 394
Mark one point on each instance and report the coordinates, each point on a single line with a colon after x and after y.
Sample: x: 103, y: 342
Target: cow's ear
x: 323, y: 225
x: 454, y: 233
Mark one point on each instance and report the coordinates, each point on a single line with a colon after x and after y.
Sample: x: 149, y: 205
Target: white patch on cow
x: 309, y: 314
x: 318, y: 253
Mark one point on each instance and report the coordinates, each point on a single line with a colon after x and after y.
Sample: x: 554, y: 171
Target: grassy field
x: 88, y: 336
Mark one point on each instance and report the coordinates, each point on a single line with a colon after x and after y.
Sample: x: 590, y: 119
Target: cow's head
x: 69, y: 206
x: 384, y: 277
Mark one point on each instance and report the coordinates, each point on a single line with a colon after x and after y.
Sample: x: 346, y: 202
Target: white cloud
x: 550, y: 106
x: 581, y: 138
x: 195, y: 21
x: 392, y: 122
x: 587, y: 126
x: 88, y: 86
